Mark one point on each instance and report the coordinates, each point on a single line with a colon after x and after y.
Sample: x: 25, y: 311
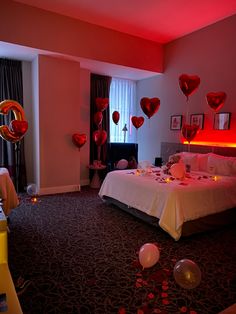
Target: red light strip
x: 203, y: 143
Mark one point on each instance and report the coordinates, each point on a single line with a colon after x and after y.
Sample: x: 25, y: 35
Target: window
x: 122, y: 99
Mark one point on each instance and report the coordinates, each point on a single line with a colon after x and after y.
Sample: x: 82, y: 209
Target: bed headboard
x: 168, y: 149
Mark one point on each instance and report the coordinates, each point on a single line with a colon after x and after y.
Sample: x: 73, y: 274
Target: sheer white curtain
x: 122, y: 99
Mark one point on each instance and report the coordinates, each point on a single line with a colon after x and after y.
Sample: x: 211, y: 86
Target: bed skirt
x: 203, y: 224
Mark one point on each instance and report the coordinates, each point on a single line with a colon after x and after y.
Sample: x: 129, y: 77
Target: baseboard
x: 59, y: 189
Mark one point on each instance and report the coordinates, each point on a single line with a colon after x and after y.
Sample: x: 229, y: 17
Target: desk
x: 96, y: 182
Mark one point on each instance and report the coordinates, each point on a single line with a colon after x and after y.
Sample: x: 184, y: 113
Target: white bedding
x: 7, y: 192
x: 175, y: 202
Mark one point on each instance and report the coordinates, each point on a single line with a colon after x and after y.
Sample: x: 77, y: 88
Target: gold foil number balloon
x: 18, y: 127
x: 187, y: 274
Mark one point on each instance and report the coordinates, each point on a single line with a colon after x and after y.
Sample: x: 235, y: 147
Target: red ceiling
x: 158, y: 20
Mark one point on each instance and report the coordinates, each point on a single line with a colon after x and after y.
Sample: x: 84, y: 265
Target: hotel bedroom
x: 71, y: 251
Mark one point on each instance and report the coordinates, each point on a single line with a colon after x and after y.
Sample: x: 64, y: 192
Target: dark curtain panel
x: 100, y: 87
x: 11, y: 87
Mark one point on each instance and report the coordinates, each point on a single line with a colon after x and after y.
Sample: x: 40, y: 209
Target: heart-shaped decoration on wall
x: 99, y: 137
x: 19, y: 127
x: 189, y: 132
x: 79, y: 139
x: 102, y: 103
x: 150, y: 106
x: 137, y: 121
x: 216, y: 100
x: 188, y: 84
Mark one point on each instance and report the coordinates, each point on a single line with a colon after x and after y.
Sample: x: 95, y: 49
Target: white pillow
x: 190, y: 159
x: 221, y: 165
x: 203, y: 162
x: 122, y: 164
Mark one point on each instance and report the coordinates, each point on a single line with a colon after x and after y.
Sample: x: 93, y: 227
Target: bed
x: 8, y: 196
x: 205, y: 198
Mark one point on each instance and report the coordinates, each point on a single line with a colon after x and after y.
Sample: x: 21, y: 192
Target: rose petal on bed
x: 183, y: 183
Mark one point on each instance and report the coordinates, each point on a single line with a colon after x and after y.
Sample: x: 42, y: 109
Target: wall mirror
x: 222, y: 121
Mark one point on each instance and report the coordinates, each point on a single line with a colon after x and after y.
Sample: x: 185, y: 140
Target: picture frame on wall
x: 222, y: 121
x: 176, y: 122
x: 197, y: 119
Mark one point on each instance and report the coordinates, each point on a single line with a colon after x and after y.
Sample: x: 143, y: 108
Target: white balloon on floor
x: 148, y: 255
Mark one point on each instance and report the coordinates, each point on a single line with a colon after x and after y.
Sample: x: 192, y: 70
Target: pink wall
x: 36, y: 28
x: 209, y: 53
x: 59, y: 118
x: 84, y: 125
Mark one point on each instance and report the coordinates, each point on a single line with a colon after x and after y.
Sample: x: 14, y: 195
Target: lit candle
x: 34, y: 199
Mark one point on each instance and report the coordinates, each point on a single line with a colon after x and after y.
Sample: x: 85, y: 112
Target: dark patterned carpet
x: 82, y: 257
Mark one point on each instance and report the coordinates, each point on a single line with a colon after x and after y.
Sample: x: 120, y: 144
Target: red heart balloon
x: 150, y: 106
x: 98, y: 118
x: 137, y: 121
x: 115, y: 117
x: 19, y: 127
x: 188, y: 83
x: 99, y: 137
x: 216, y: 100
x: 102, y: 103
x: 79, y: 139
x: 189, y: 131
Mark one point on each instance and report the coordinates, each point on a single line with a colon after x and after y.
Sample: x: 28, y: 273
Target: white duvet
x: 173, y: 202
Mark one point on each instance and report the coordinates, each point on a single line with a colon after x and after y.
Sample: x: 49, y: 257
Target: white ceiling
x: 157, y: 20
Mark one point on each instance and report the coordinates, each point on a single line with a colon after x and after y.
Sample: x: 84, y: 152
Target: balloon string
x: 17, y: 157
x: 214, y: 120
x: 99, y: 152
x: 78, y: 174
x: 188, y: 146
x: 187, y: 111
